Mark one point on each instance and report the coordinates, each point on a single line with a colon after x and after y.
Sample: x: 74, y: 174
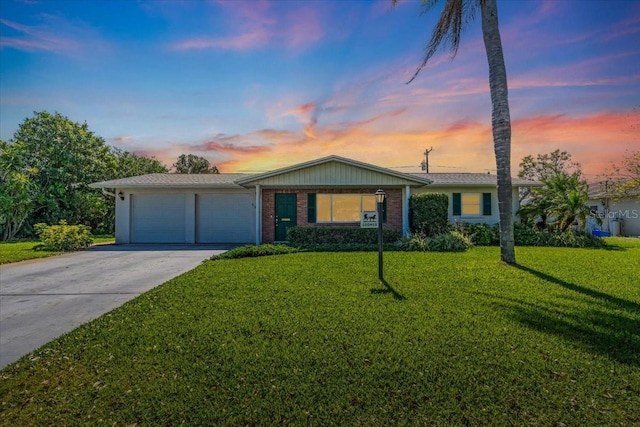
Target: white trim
x: 258, y: 214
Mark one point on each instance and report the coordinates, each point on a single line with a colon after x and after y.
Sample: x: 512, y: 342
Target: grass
x: 314, y: 339
x: 23, y: 250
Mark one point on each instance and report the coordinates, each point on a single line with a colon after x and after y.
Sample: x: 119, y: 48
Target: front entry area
x: 286, y: 214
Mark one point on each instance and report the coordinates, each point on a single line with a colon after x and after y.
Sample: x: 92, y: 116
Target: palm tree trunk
x: 501, y: 124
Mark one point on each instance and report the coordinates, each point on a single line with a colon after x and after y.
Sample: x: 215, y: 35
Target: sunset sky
x: 256, y: 85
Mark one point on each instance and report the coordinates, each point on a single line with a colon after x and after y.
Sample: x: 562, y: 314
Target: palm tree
x: 570, y: 207
x: 455, y: 15
x: 567, y: 200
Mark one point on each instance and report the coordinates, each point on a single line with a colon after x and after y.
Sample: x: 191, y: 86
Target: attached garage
x: 182, y: 209
x: 158, y: 218
x: 225, y: 218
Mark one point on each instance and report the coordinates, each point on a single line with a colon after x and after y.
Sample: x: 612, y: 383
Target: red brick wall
x: 394, y: 208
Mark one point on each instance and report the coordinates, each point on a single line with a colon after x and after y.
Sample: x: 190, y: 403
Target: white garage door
x: 225, y: 218
x: 158, y: 218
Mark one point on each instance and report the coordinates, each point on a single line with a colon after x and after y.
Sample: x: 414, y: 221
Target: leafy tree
x: 189, y: 163
x: 58, y: 158
x: 624, y: 180
x: 564, y: 195
x: 455, y: 15
x: 15, y: 191
x: 545, y: 166
x: 130, y: 164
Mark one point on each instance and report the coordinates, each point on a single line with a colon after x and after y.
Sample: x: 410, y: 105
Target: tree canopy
x: 624, y: 178
x: 562, y: 200
x: 46, y: 169
x: 192, y: 164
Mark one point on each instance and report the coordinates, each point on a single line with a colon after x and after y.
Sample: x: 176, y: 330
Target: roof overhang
x: 173, y: 181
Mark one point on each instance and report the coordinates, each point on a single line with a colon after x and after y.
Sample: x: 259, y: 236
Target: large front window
x: 343, y: 207
x: 471, y: 203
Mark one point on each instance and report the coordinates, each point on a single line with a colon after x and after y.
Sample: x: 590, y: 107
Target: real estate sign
x: 369, y: 219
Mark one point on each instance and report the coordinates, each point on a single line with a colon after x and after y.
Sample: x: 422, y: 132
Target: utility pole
x: 425, y: 163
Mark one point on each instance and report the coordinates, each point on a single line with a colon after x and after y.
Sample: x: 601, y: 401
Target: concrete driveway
x: 45, y: 298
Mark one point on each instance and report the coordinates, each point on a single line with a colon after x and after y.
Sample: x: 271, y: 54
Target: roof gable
x: 332, y: 171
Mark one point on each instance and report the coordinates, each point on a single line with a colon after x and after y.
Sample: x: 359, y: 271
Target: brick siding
x: 394, y: 208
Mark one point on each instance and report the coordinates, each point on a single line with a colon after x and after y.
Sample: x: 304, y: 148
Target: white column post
x: 405, y: 210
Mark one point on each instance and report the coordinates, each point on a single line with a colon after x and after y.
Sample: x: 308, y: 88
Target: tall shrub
x: 428, y: 213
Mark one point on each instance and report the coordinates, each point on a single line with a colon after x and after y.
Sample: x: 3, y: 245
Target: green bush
x: 452, y: 241
x: 529, y: 236
x: 63, y: 237
x: 413, y: 242
x: 449, y: 242
x: 428, y: 213
x: 305, y: 236
x: 249, y: 251
x: 577, y: 239
x: 480, y: 234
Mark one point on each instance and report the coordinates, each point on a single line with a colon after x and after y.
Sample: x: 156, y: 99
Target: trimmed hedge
x: 63, y: 237
x: 428, y: 213
x: 305, y: 236
x: 249, y: 251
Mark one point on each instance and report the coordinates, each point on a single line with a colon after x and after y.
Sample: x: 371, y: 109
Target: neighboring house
x: 473, y: 197
x: 256, y: 208
x: 619, y: 216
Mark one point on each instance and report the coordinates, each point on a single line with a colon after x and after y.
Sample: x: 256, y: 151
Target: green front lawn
x: 24, y: 250
x: 315, y: 339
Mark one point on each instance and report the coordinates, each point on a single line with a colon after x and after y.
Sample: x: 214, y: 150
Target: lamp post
x: 380, y: 196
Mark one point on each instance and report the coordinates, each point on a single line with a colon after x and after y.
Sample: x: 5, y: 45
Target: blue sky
x: 254, y: 85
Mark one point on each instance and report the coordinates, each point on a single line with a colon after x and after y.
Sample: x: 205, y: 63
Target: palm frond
x: 455, y: 16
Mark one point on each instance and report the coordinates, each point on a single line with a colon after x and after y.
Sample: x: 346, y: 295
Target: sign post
x: 380, y: 196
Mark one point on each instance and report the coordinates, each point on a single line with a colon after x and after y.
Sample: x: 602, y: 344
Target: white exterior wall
x: 123, y: 218
x: 627, y: 212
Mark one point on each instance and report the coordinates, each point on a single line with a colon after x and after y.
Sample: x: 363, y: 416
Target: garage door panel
x: 225, y: 218
x: 158, y: 218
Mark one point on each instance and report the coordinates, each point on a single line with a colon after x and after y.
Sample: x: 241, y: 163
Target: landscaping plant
x: 63, y: 237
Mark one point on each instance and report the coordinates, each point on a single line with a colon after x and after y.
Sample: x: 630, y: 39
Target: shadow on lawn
x: 388, y: 289
x: 599, y: 322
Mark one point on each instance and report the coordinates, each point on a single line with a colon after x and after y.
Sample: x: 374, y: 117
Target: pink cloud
x: 258, y: 24
x: 304, y: 28
x: 246, y: 41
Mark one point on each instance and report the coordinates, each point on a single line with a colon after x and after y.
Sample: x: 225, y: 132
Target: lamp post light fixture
x: 380, y: 196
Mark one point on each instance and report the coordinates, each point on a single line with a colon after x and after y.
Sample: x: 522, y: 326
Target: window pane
x: 470, y: 210
x: 346, y: 207
x: 471, y: 204
x: 323, y: 207
x: 369, y: 203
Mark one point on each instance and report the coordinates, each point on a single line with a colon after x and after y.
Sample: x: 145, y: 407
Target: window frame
x: 331, y: 196
x: 463, y: 204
